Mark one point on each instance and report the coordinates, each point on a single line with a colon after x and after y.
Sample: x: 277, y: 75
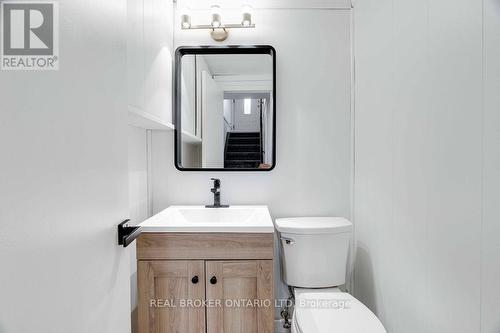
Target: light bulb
x: 216, y: 16
x: 246, y: 15
x: 186, y: 18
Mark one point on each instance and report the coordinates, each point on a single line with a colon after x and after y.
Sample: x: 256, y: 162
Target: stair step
x: 232, y: 156
x: 244, y: 134
x: 241, y: 164
x: 243, y: 140
x: 243, y: 148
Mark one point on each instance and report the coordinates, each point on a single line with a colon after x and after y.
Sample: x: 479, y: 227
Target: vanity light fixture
x: 246, y: 16
x: 218, y: 30
x: 216, y: 16
x: 186, y: 18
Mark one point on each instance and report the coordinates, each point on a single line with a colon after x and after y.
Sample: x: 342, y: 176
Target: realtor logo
x: 29, y: 35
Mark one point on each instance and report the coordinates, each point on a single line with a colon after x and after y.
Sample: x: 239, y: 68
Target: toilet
x: 314, y: 254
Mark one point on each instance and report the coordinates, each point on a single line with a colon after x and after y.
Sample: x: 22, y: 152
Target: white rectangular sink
x: 247, y: 219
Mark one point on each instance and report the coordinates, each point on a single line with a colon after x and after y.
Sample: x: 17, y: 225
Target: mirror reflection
x: 226, y: 112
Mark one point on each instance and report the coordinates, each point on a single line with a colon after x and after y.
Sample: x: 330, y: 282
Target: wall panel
x: 418, y: 160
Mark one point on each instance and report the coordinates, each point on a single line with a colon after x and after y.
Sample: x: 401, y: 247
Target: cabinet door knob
x: 195, y: 279
x: 213, y: 280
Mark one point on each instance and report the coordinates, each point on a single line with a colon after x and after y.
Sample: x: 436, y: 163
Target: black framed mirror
x: 225, y: 108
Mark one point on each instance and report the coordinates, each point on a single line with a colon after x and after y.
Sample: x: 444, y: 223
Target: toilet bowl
x: 330, y: 311
x: 314, y: 253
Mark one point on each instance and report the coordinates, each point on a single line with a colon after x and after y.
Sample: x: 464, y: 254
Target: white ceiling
x: 239, y: 64
x: 267, y: 4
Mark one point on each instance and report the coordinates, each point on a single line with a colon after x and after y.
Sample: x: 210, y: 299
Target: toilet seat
x: 329, y: 311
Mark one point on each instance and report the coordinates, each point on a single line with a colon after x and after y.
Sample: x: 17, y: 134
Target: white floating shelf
x: 139, y: 118
x: 189, y: 138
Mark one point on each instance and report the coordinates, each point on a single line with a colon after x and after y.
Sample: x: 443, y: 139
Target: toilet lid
x: 331, y: 311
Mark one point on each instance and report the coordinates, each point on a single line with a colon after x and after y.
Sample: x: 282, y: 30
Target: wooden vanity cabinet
x: 212, y: 282
x: 161, y: 285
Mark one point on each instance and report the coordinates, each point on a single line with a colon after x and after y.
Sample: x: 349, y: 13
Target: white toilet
x: 313, y: 261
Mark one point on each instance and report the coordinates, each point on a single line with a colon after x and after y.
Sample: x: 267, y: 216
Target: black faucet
x: 216, y: 191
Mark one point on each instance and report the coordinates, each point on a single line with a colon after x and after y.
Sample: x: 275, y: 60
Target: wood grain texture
x: 160, y: 282
x: 152, y: 246
x: 265, y: 291
x: 214, y: 293
x: 237, y: 283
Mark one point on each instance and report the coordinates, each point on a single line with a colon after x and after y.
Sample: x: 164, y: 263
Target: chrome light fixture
x: 216, y: 16
x: 246, y: 16
x: 185, y: 18
x: 218, y: 30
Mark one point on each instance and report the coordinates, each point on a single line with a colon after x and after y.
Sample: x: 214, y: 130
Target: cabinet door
x: 233, y: 284
x: 164, y: 289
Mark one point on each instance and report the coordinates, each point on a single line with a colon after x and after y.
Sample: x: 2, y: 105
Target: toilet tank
x: 314, y: 250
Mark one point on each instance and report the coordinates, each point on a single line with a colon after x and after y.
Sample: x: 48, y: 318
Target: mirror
x: 225, y: 111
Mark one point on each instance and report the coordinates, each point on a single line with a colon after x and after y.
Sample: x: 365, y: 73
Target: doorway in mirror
x: 247, y: 121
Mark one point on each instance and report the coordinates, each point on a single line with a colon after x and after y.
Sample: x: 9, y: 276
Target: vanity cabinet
x: 240, y: 282
x: 162, y: 285
x: 205, y: 282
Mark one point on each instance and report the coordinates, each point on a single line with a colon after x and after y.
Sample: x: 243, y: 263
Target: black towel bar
x: 127, y: 234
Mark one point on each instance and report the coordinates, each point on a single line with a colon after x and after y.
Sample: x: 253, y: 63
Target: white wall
x: 188, y: 93
x: 426, y: 164
x: 63, y: 176
x: 138, y: 174
x: 138, y: 198
x: 149, y: 58
x: 149, y: 98
x: 313, y: 112
x: 490, y: 244
x: 212, y: 119
x: 312, y: 175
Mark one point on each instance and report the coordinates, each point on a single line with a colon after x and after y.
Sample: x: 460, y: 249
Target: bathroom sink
x: 248, y: 219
